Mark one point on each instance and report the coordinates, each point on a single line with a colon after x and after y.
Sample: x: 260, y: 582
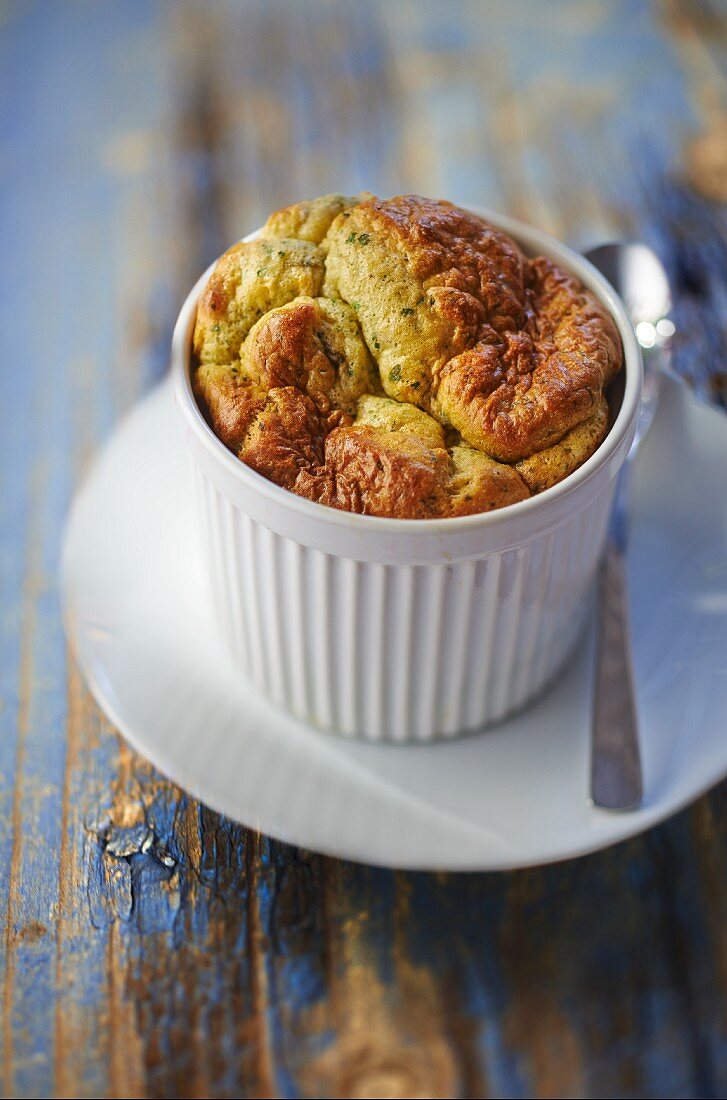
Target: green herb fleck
x: 355, y: 306
x: 363, y: 238
x: 260, y: 272
x: 407, y: 311
x: 395, y: 374
x: 350, y: 238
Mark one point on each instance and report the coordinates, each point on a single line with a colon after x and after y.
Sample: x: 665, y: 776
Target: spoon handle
x: 616, y: 782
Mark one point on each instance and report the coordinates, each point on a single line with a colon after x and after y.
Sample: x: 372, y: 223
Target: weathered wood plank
x: 150, y: 947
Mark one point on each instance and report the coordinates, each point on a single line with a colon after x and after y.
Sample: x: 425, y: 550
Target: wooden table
x: 138, y: 139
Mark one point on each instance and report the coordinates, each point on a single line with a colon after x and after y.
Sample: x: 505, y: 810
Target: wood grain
x: 150, y: 947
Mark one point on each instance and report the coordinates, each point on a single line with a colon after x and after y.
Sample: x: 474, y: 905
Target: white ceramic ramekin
x: 403, y: 630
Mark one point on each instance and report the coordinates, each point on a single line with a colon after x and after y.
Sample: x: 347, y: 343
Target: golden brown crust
x: 494, y: 365
x: 316, y: 345
x: 391, y: 461
x: 478, y: 483
x: 425, y: 277
x: 548, y: 467
x: 251, y: 278
x: 520, y: 393
x: 286, y: 436
x: 309, y: 220
x: 229, y: 402
x: 388, y: 473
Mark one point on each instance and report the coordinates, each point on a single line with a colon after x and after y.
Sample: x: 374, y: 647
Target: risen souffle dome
x: 401, y: 357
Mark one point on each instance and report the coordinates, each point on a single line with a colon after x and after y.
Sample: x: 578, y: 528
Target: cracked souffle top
x: 401, y: 357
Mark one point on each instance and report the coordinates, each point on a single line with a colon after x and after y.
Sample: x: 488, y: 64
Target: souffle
x: 402, y: 358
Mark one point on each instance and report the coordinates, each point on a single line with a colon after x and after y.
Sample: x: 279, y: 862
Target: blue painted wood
x: 149, y: 946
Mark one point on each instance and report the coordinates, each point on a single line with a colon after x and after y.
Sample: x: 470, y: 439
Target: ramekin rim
x: 535, y: 241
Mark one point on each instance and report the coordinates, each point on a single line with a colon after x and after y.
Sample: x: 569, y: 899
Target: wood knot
x: 125, y: 841
x: 30, y: 932
x: 385, y: 1079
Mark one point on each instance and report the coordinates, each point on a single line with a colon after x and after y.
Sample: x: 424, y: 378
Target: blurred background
x: 139, y: 138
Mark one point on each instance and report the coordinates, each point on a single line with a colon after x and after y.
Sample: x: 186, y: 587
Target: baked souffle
x: 402, y: 358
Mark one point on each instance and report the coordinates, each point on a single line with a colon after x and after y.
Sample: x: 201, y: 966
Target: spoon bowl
x: 638, y: 277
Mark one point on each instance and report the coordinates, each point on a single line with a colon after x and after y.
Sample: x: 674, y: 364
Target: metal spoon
x: 637, y: 275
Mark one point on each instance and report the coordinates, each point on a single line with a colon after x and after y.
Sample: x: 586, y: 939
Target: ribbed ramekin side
x: 457, y: 630
x: 300, y: 658
x: 542, y: 607
x: 398, y: 652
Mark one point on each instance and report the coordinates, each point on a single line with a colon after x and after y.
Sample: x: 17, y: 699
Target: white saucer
x: 138, y: 617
